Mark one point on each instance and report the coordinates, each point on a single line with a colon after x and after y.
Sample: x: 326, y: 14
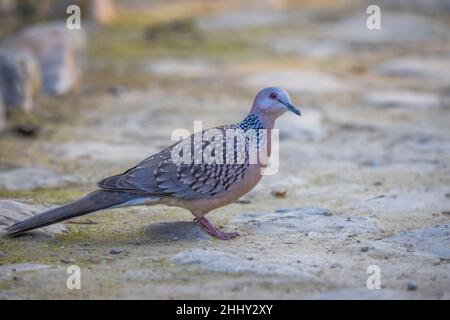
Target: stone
x: 117, y: 90
x: 396, y: 28
x: 435, y: 69
x: 9, y: 270
x: 12, y: 211
x: 302, y: 220
x: 59, y: 52
x: 173, y: 231
x: 430, y: 6
x: 402, y: 203
x: 402, y: 99
x: 239, y: 20
x: 411, y: 286
x: 193, y: 68
x: 433, y: 240
x: 316, y: 48
x: 31, y: 178
x: 364, y: 294
x: 20, y: 80
x: 220, y: 261
x: 2, y: 113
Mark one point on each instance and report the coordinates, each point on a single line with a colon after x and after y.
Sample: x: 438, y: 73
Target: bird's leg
x: 214, y: 231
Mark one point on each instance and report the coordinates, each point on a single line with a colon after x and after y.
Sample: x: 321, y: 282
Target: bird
x: 198, y: 185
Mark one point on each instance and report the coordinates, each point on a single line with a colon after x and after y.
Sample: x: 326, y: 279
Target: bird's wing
x: 161, y: 175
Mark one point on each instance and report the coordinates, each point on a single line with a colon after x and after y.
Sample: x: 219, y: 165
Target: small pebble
x: 364, y: 249
x: 117, y: 90
x: 335, y: 266
x: 67, y: 261
x: 28, y: 129
x: 115, y: 251
x: 411, y: 286
x: 243, y: 201
x: 279, y: 193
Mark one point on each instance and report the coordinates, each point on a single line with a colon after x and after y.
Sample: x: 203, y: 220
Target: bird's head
x: 272, y: 102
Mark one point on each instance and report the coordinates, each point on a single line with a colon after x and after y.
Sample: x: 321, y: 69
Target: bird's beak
x: 290, y: 107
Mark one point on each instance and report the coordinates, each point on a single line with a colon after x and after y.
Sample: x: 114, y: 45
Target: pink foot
x: 214, y: 231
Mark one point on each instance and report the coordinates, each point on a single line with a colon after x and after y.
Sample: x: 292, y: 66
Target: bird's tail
x: 92, y: 202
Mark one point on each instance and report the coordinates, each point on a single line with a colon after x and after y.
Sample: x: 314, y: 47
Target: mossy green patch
x: 45, y: 195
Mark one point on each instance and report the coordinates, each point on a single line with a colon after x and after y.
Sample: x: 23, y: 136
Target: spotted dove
x: 197, y: 186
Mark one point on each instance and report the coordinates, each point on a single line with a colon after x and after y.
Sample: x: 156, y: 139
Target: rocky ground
x: 364, y: 175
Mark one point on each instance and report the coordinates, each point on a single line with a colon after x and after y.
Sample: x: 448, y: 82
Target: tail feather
x: 92, y: 202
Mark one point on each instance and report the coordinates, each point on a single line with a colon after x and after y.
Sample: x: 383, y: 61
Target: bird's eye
x: 273, y: 95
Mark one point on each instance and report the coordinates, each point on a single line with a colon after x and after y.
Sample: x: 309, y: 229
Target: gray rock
x: 402, y: 99
x: 114, y: 251
x: 7, y: 7
x: 364, y: 294
x: 431, y: 6
x: 31, y: 178
x: 395, y: 28
x: 12, y: 212
x: 117, y: 90
x: 317, y: 48
x: 2, y: 113
x: 59, y: 52
x: 434, y: 240
x: 411, y: 286
x: 402, y: 203
x: 20, y: 79
x: 304, y: 220
x: 173, y: 231
x: 246, y: 19
x: 431, y: 68
x: 10, y: 270
x: 220, y: 261
x: 193, y: 68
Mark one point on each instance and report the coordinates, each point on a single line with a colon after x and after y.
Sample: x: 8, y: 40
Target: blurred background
x: 372, y: 145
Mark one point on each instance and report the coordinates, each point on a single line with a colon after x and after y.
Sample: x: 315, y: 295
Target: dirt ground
x: 364, y: 175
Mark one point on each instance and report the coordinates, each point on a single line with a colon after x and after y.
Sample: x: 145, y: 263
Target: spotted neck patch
x: 253, y: 129
x: 250, y: 122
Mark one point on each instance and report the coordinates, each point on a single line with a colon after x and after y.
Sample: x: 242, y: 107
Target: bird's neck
x: 256, y: 122
x: 250, y: 122
x: 254, y: 126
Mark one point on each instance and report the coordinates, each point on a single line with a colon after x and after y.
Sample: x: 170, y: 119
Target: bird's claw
x: 225, y: 235
x: 212, y: 230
